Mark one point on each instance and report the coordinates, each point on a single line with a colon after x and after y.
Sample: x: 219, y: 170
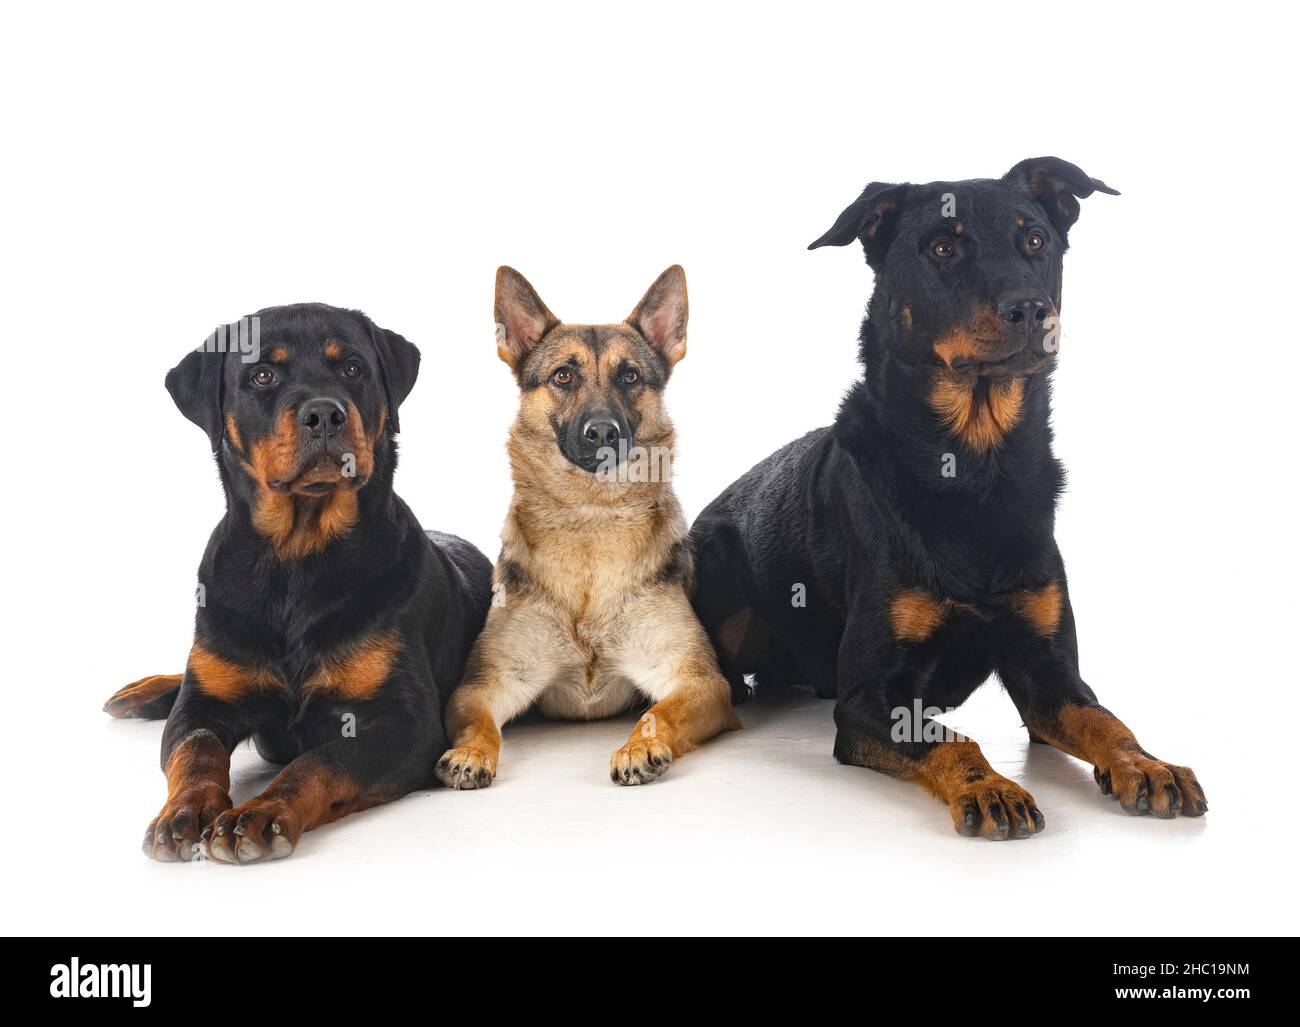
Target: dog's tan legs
x: 510, y: 666
x: 696, y: 709
x: 472, y: 726
x: 666, y: 653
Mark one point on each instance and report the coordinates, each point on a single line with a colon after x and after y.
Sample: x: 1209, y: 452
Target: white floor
x: 759, y: 831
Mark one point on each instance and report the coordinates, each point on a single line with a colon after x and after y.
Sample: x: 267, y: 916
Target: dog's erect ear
x: 1058, y: 186
x: 195, y: 385
x: 521, y: 316
x: 399, y: 365
x: 871, y: 218
x: 661, y: 315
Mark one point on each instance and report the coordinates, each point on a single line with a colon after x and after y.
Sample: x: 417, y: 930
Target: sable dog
x: 919, y: 527
x: 590, y: 608
x: 332, y: 628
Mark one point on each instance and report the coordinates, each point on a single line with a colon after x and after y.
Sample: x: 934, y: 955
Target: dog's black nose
x: 323, y: 418
x: 603, y: 431
x: 1024, y: 310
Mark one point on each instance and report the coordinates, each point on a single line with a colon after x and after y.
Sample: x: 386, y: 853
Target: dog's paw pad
x: 465, y: 769
x: 640, y: 761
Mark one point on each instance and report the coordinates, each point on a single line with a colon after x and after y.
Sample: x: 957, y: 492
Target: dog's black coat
x: 851, y: 515
x: 288, y: 617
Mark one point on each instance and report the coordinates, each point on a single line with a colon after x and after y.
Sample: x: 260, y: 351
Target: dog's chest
x: 587, y: 681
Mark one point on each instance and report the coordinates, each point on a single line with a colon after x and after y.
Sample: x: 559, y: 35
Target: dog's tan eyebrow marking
x: 279, y: 355
x: 333, y: 350
x: 958, y: 228
x: 1020, y: 222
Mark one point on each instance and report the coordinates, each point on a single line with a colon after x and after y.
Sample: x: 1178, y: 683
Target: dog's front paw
x: 996, y: 808
x: 174, y: 834
x: 466, y: 768
x: 260, y: 829
x: 1144, y: 784
x: 640, y: 761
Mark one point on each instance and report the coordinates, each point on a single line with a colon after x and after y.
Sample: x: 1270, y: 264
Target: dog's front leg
x: 877, y: 727
x: 1039, y: 665
x: 665, y: 651
x: 474, y: 726
x: 510, y: 666
x: 196, y: 744
x: 383, y: 758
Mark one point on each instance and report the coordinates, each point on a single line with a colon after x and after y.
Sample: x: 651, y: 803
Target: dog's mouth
x: 1024, y: 361
x: 602, y: 461
x: 319, y: 474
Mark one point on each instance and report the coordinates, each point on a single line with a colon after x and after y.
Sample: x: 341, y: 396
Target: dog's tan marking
x: 232, y: 433
x: 1122, y: 767
x: 907, y: 318
x: 698, y: 709
x: 307, y: 793
x: 357, y: 673
x: 128, y: 699
x: 200, y: 757
x: 333, y: 350
x: 957, y: 773
x: 198, y: 791
x: 973, y: 341
x: 978, y: 412
x: 915, y: 616
x: 299, y: 525
x: 279, y: 355
x: 1040, y: 607
x: 225, y: 680
x: 734, y: 631
x: 471, y: 762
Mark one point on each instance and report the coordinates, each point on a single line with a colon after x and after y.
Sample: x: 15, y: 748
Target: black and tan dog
x: 590, y: 611
x: 332, y: 629
x: 907, y: 551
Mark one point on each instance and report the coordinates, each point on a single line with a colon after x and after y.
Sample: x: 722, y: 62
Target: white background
x: 167, y: 168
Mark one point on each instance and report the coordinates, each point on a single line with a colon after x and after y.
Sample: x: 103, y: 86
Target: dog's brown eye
x: 262, y: 377
x: 562, y: 377
x: 943, y: 249
x: 1034, y: 241
x: 629, y: 377
x: 351, y: 369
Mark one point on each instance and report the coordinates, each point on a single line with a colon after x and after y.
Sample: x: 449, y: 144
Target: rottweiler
x: 590, y: 612
x: 331, y: 629
x: 897, y: 558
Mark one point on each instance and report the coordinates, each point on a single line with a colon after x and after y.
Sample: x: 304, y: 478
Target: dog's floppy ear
x: 521, y: 316
x: 871, y: 218
x: 399, y: 365
x: 661, y: 315
x: 196, y: 385
x: 1058, y: 186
